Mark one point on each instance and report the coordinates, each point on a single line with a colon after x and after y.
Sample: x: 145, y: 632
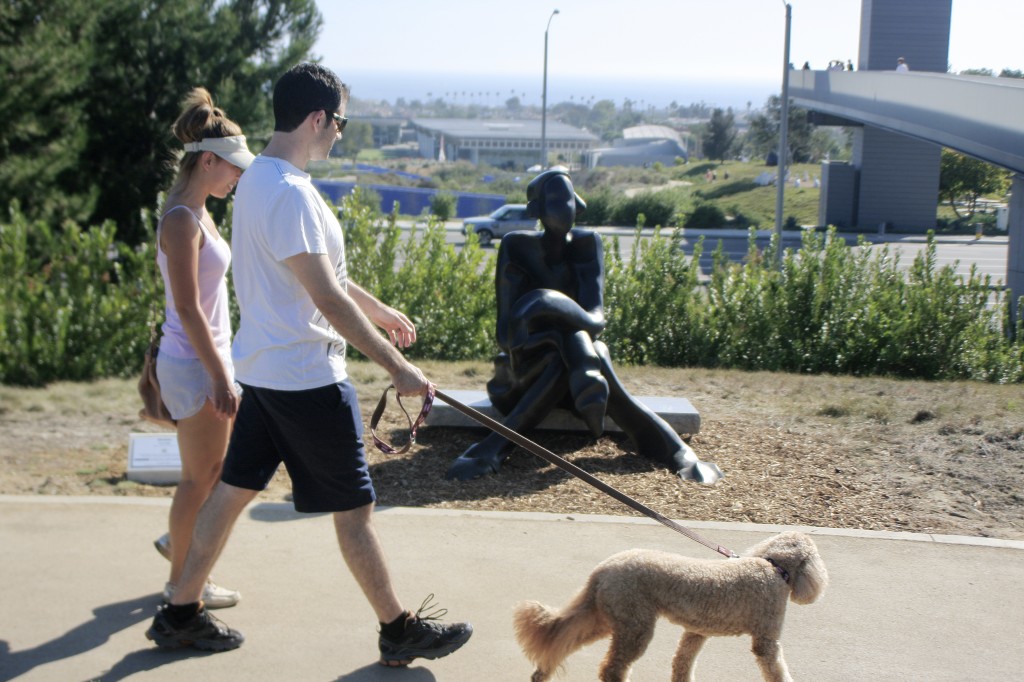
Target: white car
x: 508, y: 218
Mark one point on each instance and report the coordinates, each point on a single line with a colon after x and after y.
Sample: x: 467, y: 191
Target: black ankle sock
x: 179, y: 614
x: 396, y: 628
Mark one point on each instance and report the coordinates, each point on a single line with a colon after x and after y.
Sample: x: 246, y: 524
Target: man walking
x: 298, y: 313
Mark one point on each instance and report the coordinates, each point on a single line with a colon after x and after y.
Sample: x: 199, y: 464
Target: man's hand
x: 410, y: 381
x: 395, y: 324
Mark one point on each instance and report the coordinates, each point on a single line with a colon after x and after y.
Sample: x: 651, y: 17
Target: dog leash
x: 541, y: 452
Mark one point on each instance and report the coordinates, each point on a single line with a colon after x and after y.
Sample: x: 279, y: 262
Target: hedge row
x: 80, y: 304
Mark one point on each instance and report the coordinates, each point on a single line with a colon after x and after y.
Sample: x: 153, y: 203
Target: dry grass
x: 843, y: 452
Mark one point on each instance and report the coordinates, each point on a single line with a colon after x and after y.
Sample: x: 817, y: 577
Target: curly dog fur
x: 626, y: 593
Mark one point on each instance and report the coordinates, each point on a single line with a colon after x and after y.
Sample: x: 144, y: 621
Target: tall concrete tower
x: 899, y: 176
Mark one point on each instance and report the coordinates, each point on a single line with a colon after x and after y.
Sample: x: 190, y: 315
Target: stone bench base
x: 678, y: 412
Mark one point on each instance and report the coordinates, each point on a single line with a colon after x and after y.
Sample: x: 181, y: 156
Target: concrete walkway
x: 81, y: 580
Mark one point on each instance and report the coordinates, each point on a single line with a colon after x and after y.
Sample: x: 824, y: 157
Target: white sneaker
x: 163, y: 545
x: 214, y: 596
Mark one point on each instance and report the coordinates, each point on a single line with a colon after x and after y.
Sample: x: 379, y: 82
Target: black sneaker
x: 202, y: 631
x: 423, y: 638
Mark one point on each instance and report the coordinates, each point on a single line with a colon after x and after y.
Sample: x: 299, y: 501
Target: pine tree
x: 720, y: 135
x: 44, y: 61
x: 91, y: 88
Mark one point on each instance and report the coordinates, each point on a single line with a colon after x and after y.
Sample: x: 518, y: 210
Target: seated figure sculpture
x: 550, y: 300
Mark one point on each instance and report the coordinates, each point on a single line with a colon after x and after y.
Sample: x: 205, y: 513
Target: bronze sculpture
x: 550, y: 293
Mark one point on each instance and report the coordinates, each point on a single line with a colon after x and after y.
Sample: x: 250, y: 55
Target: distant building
x: 640, y: 146
x: 387, y: 130
x: 508, y: 144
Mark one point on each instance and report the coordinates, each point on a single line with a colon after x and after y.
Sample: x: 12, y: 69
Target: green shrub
x: 448, y: 293
x: 78, y: 303
x: 657, y: 207
x: 654, y: 304
x: 705, y: 216
x: 833, y: 309
x: 600, y: 205
x: 442, y: 205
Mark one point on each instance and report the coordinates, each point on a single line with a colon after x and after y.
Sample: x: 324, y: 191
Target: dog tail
x: 547, y: 636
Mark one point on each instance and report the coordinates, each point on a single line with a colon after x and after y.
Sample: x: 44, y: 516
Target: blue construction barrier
x: 378, y: 170
x: 414, y: 200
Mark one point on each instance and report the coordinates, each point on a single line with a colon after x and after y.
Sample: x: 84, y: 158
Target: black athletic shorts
x: 317, y: 433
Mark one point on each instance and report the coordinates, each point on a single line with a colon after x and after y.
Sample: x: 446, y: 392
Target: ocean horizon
x: 495, y: 90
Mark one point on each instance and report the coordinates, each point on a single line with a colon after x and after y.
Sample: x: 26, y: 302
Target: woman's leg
x: 202, y: 442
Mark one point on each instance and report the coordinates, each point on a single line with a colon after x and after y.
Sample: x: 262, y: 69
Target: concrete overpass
x: 982, y: 117
x: 979, y: 116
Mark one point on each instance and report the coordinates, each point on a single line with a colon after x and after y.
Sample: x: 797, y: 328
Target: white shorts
x: 185, y: 385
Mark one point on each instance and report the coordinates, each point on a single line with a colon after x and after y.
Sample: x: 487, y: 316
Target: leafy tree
x: 44, y: 62
x: 358, y: 136
x: 148, y: 53
x: 602, y: 119
x: 571, y: 113
x: 103, y: 79
x: 763, y: 135
x: 719, y: 137
x: 833, y: 143
x: 964, y: 179
x: 977, y: 72
x: 1011, y: 73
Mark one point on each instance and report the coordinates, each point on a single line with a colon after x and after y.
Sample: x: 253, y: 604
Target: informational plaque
x: 153, y: 458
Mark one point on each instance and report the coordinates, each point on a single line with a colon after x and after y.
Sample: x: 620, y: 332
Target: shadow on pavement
x: 146, y: 659
x: 107, y: 621
x: 376, y: 672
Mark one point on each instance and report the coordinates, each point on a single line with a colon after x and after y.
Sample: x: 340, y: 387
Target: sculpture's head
x: 551, y: 198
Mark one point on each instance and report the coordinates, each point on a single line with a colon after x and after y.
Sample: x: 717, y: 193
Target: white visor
x: 232, y: 149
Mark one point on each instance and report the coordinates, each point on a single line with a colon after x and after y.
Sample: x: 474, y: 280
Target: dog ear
x: 797, y: 554
x: 809, y: 579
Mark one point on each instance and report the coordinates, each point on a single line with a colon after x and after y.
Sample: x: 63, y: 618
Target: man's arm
x: 348, y: 318
x: 399, y: 328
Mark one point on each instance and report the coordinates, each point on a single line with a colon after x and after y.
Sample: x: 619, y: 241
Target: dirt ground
x: 841, y: 452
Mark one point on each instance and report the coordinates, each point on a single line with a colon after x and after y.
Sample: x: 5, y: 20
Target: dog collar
x: 778, y: 569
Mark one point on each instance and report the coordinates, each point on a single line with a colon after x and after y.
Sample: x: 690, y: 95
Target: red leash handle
x: 384, y: 446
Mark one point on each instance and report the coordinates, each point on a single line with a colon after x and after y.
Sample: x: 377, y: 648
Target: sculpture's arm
x: 508, y: 281
x: 590, y: 278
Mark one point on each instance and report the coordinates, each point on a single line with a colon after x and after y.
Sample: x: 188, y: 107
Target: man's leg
x: 404, y: 635
x: 364, y: 555
x: 213, y: 526
x: 184, y: 621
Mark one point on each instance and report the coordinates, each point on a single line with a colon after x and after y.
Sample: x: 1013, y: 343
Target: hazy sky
x: 685, y: 40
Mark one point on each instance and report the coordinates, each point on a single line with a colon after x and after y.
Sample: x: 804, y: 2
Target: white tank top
x: 214, y: 261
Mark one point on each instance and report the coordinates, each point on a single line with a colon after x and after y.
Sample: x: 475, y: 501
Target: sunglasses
x: 382, y: 445
x: 340, y: 121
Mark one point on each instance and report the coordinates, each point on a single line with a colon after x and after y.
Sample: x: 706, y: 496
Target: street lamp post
x: 544, y: 101
x: 780, y: 184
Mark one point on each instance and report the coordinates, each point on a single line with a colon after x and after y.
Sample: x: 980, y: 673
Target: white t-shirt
x: 283, y: 341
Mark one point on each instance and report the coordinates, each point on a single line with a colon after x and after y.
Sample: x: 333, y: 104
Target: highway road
x: 989, y: 253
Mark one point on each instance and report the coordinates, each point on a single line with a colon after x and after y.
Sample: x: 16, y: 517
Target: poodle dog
x: 626, y: 593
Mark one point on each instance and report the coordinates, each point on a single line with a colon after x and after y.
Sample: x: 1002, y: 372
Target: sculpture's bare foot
x: 689, y: 468
x: 475, y: 462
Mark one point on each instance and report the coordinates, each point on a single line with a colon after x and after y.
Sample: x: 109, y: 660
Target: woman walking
x: 194, y: 365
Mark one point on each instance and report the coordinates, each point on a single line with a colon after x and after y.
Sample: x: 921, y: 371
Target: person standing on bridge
x: 901, y: 66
